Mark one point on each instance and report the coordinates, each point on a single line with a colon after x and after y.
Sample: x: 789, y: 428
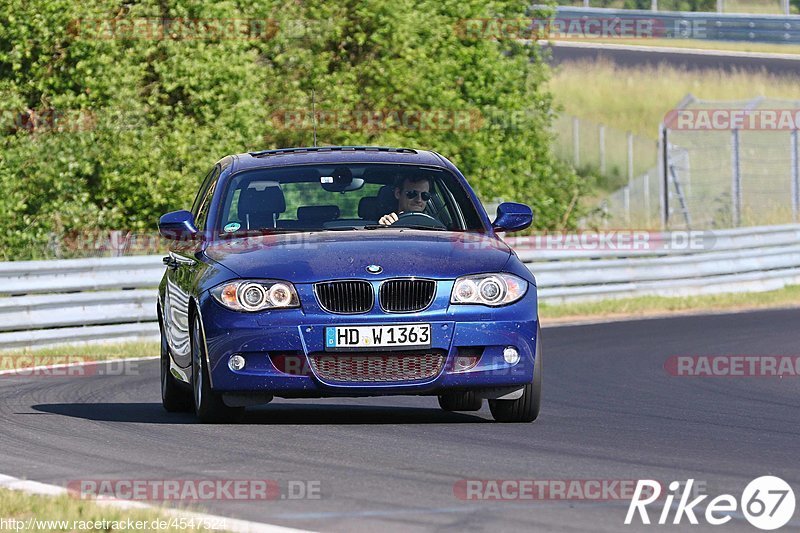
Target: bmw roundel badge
x: 374, y: 269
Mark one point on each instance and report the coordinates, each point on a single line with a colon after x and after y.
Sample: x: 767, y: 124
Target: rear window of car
x: 339, y: 197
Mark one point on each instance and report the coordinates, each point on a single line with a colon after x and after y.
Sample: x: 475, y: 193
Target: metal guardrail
x: 702, y: 25
x: 78, y: 300
x: 86, y: 300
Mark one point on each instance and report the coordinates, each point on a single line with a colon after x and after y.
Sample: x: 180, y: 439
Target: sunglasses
x: 413, y: 194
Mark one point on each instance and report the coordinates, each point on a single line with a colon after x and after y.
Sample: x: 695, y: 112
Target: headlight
x: 252, y: 295
x: 488, y: 289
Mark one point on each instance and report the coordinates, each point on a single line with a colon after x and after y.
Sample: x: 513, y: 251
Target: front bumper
x: 258, y: 336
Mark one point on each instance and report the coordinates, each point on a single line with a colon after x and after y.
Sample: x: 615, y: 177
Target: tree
x: 146, y: 96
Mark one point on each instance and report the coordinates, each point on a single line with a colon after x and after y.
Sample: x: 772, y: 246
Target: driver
x: 412, y: 195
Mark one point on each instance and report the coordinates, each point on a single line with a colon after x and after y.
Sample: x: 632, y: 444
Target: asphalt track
x: 390, y: 464
x: 636, y: 57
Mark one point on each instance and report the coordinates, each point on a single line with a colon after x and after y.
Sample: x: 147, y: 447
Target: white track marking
x: 227, y: 524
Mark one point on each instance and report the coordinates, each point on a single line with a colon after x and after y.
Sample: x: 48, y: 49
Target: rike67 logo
x: 767, y: 503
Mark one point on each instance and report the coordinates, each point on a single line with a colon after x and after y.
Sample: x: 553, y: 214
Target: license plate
x: 366, y: 337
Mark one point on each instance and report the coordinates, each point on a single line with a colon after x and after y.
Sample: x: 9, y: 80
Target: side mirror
x: 512, y: 216
x: 177, y: 225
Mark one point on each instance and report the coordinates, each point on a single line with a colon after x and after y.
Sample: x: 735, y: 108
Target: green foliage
x: 135, y: 123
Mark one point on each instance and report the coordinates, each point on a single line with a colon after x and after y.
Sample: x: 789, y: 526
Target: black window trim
x: 208, y: 193
x: 223, y: 193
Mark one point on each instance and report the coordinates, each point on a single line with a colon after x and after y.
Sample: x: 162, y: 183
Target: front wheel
x: 208, y: 405
x: 460, y: 401
x: 526, y: 407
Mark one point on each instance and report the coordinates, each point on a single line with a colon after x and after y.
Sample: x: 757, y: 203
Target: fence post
x: 720, y: 6
x: 653, y: 5
x: 736, y: 180
x: 116, y: 242
x: 646, y: 193
x: 602, y: 142
x: 795, y: 177
x: 576, y: 141
x: 662, y: 175
x: 630, y: 158
x: 626, y: 202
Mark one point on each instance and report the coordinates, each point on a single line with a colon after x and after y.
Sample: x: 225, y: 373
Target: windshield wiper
x: 412, y: 226
x: 254, y: 233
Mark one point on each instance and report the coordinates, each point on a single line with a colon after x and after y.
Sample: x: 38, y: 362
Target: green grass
x: 655, y: 305
x: 702, y: 44
x: 22, y: 506
x: 96, y: 351
x: 637, y: 100
x: 753, y: 6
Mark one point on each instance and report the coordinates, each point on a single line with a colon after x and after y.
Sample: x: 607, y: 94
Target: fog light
x: 462, y: 364
x: 236, y: 363
x: 511, y: 355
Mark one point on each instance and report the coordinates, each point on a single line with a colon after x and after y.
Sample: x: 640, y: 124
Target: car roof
x: 336, y: 154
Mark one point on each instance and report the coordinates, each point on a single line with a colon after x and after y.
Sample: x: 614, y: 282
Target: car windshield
x: 344, y: 197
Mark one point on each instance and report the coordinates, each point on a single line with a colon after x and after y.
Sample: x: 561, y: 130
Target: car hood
x: 311, y: 257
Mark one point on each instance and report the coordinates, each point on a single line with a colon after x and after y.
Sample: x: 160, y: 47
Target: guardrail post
x: 653, y: 5
x: 736, y: 180
x: 795, y: 177
x: 576, y: 141
x: 602, y: 143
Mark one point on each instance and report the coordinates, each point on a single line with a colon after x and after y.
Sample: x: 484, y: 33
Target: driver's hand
x: 388, y: 220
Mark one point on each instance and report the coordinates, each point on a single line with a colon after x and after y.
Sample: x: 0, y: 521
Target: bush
x: 112, y: 132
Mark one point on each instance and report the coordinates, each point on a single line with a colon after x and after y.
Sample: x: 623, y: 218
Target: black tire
x: 175, y: 397
x: 526, y: 408
x: 208, y: 405
x: 460, y: 401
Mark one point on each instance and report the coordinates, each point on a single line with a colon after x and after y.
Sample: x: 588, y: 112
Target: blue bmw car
x: 345, y: 272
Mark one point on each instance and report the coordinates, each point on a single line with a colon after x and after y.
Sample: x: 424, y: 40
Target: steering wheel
x: 415, y: 218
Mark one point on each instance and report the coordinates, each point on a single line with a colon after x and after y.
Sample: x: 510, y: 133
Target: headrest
x: 317, y: 213
x: 368, y: 208
x: 267, y: 200
x: 387, y: 203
